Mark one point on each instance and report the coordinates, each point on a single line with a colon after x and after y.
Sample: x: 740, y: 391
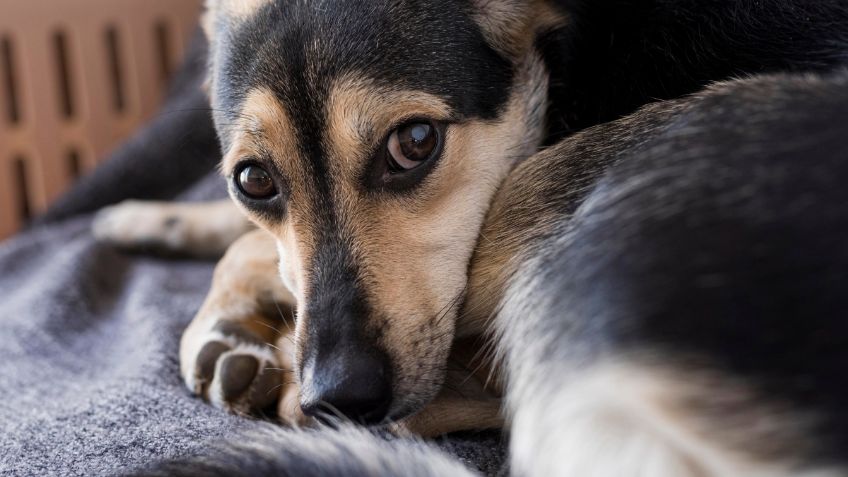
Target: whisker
x: 274, y: 346
x: 286, y: 383
x: 338, y: 414
x: 283, y: 316
x: 446, y: 310
x: 262, y: 322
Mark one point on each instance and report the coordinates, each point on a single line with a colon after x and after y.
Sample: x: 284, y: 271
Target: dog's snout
x: 353, y: 383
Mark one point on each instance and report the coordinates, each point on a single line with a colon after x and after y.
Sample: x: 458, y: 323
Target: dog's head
x: 369, y: 138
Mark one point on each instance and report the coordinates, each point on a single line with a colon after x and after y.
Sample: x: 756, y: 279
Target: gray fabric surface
x: 89, y: 379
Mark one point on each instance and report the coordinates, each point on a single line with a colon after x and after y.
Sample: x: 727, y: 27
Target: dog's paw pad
x: 266, y: 387
x: 236, y: 370
x: 237, y: 374
x: 245, y: 381
x: 205, y: 367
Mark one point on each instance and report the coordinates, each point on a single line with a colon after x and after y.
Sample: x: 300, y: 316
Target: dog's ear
x: 230, y: 10
x: 207, y: 21
x: 218, y: 14
x: 511, y: 25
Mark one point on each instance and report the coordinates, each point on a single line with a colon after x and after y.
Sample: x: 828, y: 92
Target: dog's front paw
x: 234, y: 369
x: 195, y: 229
x: 140, y: 225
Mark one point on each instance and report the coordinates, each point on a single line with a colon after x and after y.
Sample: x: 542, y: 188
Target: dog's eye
x: 255, y: 182
x: 408, y: 155
x: 411, y: 145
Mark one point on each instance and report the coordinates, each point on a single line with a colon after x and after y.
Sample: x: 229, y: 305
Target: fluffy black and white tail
x: 280, y: 452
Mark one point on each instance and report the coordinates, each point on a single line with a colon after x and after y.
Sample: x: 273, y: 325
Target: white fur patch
x: 625, y: 420
x: 236, y: 9
x: 285, y: 272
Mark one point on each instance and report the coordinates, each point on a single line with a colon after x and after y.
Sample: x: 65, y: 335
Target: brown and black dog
x: 442, y: 182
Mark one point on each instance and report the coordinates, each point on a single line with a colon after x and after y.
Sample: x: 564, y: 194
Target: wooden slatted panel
x: 84, y: 75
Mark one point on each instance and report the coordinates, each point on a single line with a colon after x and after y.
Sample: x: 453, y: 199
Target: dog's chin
x: 403, y: 411
x: 410, y: 403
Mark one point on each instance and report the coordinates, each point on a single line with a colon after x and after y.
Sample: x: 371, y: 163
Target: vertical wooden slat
x: 8, y: 219
x: 9, y: 81
x: 145, y: 60
x: 34, y: 67
x: 163, y: 38
x: 45, y: 99
x: 94, y: 128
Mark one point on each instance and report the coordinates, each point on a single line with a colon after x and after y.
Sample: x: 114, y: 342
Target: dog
x: 556, y: 191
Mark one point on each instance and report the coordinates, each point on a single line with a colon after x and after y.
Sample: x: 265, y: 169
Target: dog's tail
x: 276, y: 451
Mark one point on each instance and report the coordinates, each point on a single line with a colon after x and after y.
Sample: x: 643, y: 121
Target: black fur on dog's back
x: 616, y: 55
x: 718, y: 244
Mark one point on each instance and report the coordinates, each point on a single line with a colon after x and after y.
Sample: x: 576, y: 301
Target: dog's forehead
x: 300, y: 49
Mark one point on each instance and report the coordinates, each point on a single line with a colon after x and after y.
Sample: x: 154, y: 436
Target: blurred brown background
x: 76, y: 78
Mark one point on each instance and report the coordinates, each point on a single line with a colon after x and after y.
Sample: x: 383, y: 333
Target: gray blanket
x: 89, y: 381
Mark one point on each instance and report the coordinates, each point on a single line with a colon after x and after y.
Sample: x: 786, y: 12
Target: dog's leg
x: 237, y: 352
x: 465, y: 403
x: 196, y: 229
x: 452, y: 413
x: 470, y: 398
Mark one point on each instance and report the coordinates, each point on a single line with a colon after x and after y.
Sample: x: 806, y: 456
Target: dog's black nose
x: 353, y: 383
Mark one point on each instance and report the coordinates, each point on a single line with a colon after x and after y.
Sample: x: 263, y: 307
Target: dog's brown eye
x: 255, y: 182
x: 412, y: 144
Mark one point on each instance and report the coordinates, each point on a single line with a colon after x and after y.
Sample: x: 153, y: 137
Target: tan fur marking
x: 360, y: 113
x: 511, y: 26
x: 263, y: 125
x: 265, y: 129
